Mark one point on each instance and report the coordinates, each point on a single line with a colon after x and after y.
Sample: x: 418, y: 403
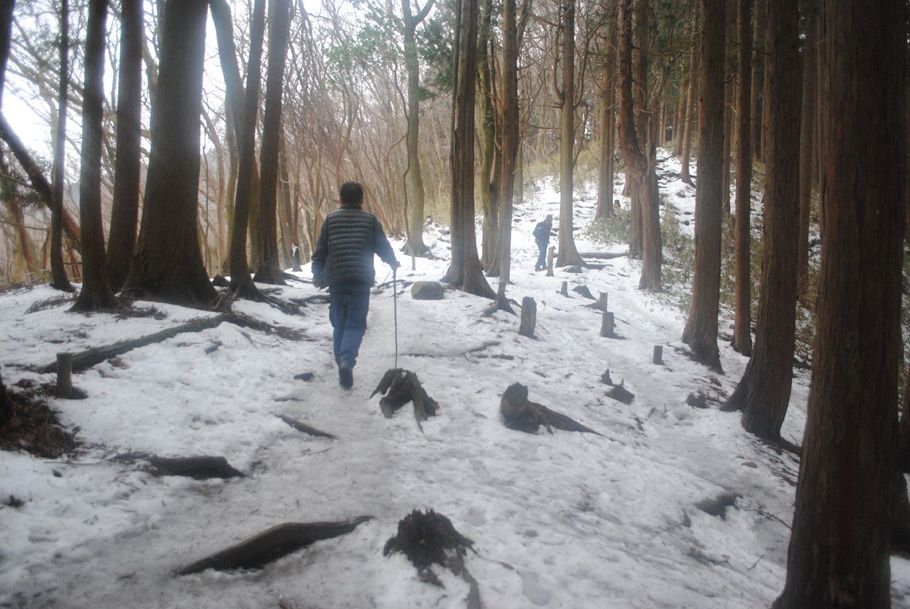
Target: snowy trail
x: 562, y: 520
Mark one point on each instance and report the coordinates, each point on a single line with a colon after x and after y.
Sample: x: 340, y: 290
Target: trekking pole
x: 395, y: 306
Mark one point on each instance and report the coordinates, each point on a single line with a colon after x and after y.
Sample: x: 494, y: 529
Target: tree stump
x: 272, y: 544
x: 64, y: 387
x: 6, y: 407
x: 398, y: 387
x: 528, y: 317
x: 658, y: 356
x: 551, y: 255
x: 607, y: 325
x: 521, y: 414
x: 602, y: 301
x: 564, y: 290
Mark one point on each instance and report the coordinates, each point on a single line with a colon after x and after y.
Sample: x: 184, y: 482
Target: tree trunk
x: 742, y: 325
x: 464, y: 270
x: 701, y: 327
x: 279, y: 28
x: 125, y: 210
x: 607, y: 119
x: 764, y: 391
x: 691, y: 101
x: 168, y: 263
x: 758, y: 76
x: 59, y: 279
x: 96, y: 290
x: 904, y: 429
x: 415, y: 193
x: 241, y: 282
x: 487, y: 145
x: 510, y: 144
x: 567, y: 253
x: 841, y: 536
x: 807, y: 141
x: 6, y: 31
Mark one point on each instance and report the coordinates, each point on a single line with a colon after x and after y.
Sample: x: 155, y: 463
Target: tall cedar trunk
x: 96, y: 289
x: 125, y: 210
x: 464, y: 270
x: 822, y: 114
x: 234, y: 103
x: 904, y: 431
x: 488, y: 187
x: 59, y: 279
x: 701, y: 327
x: 728, y: 142
x: 763, y: 394
x: 416, y: 198
x: 841, y: 536
x: 567, y: 253
x: 168, y: 263
x: 691, y: 102
x: 636, y: 185
x: 742, y: 325
x: 648, y: 194
x: 285, y: 215
x: 607, y: 119
x: 241, y: 282
x: 807, y: 141
x: 279, y: 28
x: 510, y: 143
x: 758, y: 76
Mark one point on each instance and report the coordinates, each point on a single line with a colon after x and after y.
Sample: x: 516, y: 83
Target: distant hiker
x: 542, y: 237
x: 295, y: 257
x: 343, y: 262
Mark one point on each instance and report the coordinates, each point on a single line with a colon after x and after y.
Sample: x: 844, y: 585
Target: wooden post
x: 607, y: 325
x: 528, y: 317
x: 658, y: 357
x: 602, y: 301
x: 64, y: 375
x: 551, y: 254
x: 564, y: 290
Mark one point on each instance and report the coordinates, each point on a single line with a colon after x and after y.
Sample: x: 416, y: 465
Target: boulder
x: 427, y: 290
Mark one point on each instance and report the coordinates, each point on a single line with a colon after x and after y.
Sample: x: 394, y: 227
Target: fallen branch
x: 521, y: 414
x: 300, y: 426
x: 272, y: 544
x: 603, y: 255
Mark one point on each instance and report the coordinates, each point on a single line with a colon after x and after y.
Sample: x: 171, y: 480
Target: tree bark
x: 691, y: 101
x: 464, y: 271
x: 841, y: 536
x: 279, y: 29
x: 414, y: 179
x: 489, y: 186
x: 59, y: 279
x: 125, y: 210
x: 510, y: 144
x: 742, y: 325
x: 241, y: 282
x: 96, y: 290
x: 763, y: 394
x: 607, y: 118
x: 807, y: 141
x: 567, y: 253
x: 168, y: 263
x: 701, y: 327
x: 758, y: 76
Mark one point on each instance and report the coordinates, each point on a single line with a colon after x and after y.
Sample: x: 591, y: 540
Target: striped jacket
x: 344, y: 252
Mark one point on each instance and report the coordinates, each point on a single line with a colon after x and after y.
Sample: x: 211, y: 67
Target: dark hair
x: 351, y: 194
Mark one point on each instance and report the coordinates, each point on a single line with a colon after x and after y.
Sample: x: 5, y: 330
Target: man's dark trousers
x: 348, y: 306
x: 541, y: 254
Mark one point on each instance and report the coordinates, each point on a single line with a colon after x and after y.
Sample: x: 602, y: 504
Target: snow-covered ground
x: 562, y: 520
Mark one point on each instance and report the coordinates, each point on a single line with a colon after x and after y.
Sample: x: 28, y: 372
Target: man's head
x: 549, y: 219
x: 351, y: 194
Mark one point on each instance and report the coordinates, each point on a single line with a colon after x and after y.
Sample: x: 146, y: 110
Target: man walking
x: 343, y: 261
x: 542, y: 237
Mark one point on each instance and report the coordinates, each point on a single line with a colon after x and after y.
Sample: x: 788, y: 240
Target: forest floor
x: 673, y: 506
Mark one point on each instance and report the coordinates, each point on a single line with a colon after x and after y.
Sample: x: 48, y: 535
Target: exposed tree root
x: 521, y: 414
x: 272, y: 544
x: 197, y: 468
x: 398, y: 387
x: 429, y: 538
x: 300, y: 426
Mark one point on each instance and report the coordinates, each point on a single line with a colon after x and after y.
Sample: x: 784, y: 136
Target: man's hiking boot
x: 345, y: 375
